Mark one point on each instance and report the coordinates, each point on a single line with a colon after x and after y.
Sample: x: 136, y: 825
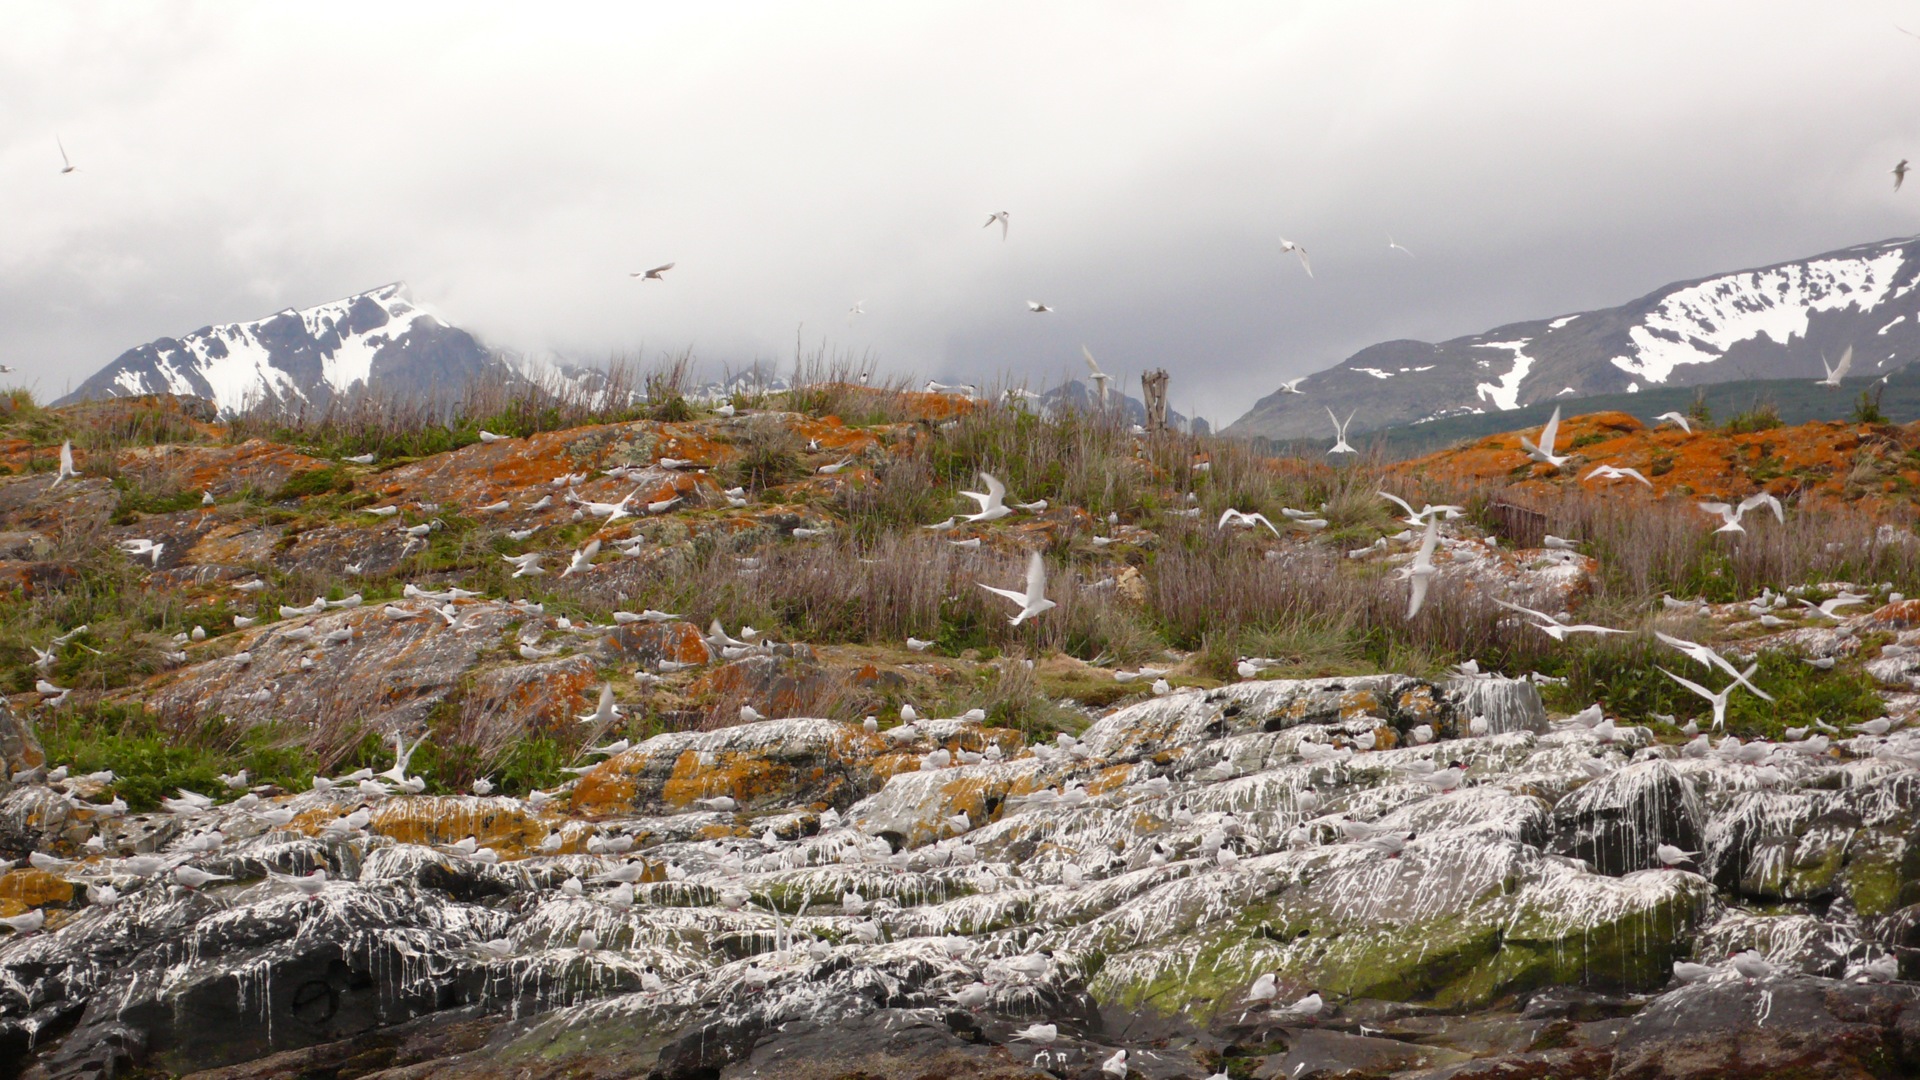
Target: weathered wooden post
x: 1153, y: 385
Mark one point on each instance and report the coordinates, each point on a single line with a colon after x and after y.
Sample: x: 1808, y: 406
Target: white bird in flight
x: 1288, y: 245
x: 582, y: 559
x: 1838, y: 371
x: 1000, y: 217
x: 1245, y: 520
x: 1100, y: 378
x: 1612, y: 472
x: 1731, y: 515
x: 1292, y: 386
x: 1677, y: 420
x: 993, y: 501
x: 1553, y: 627
x: 1543, y: 453
x: 66, y: 465
x: 1037, y: 307
x: 1420, y: 572
x: 1719, y: 700
x: 653, y: 274
x: 1391, y: 246
x: 1034, y: 600
x: 1340, y: 433
x: 607, y: 712
x: 1707, y: 658
x: 67, y: 165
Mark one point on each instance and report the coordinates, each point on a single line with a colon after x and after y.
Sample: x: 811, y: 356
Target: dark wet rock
x: 1317, y: 1054
x: 1775, y: 1028
x: 1572, y: 1063
x: 1616, y: 822
x: 444, y: 1038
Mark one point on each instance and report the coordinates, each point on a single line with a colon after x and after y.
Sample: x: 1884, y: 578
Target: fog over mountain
x: 1537, y: 160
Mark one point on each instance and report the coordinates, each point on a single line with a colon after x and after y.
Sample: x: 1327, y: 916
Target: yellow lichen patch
x: 29, y: 888
x: 1357, y: 703
x: 312, y: 821
x: 501, y: 824
x: 605, y: 790
x: 1111, y: 778
x: 718, y: 831
x: 738, y: 775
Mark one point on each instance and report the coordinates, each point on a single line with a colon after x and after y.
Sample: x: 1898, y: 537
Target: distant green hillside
x: 1797, y: 400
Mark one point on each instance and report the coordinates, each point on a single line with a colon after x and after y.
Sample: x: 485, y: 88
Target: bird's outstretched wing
x: 1550, y: 433
x: 1691, y: 685
x: 1398, y: 501
x: 1016, y: 597
x: 1764, y: 499
x: 1036, y: 579
x: 1846, y: 364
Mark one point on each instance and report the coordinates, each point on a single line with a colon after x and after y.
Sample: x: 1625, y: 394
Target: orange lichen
x: 1814, y: 459
x: 496, y: 823
x: 29, y: 888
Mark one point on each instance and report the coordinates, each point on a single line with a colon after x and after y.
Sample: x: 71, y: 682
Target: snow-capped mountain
x: 1775, y: 322
x: 379, y: 341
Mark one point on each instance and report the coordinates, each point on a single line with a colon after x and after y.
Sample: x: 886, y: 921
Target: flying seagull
x: 1000, y: 217
x: 66, y: 465
x: 1037, y: 307
x: 1245, y: 520
x: 1677, y: 420
x: 993, y: 501
x: 1288, y: 245
x: 1391, y: 246
x: 1292, y: 386
x: 1899, y: 173
x: 1838, y: 371
x: 1613, y: 472
x: 1544, y: 452
x: 1731, y: 515
x: 653, y: 274
x: 1719, y: 700
x: 1100, y: 378
x: 1034, y: 600
x: 1420, y: 572
x: 67, y: 165
x: 1340, y: 433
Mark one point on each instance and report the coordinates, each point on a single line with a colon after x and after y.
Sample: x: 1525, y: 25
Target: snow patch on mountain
x: 1506, y: 392
x: 1698, y: 324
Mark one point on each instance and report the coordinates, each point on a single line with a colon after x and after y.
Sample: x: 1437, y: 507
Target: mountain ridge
x: 380, y: 340
x: 1768, y: 322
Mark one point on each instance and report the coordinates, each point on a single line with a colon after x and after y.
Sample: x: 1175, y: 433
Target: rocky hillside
x: 686, y: 744
x: 1773, y: 322
x: 379, y: 341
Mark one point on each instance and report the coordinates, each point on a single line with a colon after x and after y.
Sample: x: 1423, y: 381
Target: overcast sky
x: 514, y: 162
